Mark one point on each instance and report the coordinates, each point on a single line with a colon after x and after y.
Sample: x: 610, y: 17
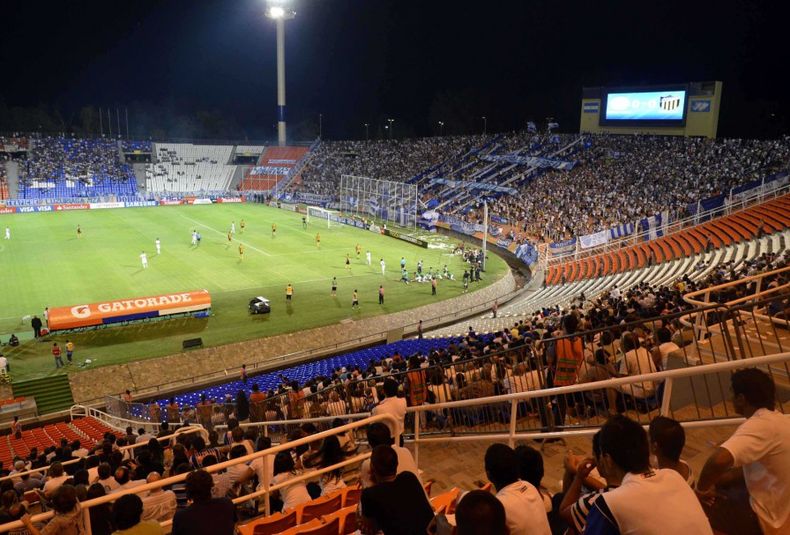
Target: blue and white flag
x: 652, y: 227
x: 592, y: 240
x: 620, y: 231
x: 563, y: 247
x: 554, y: 139
x: 531, y: 127
x: 551, y: 126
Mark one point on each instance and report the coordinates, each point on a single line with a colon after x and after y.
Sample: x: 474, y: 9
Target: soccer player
x: 242, y: 224
x: 466, y: 281
x: 318, y: 240
x: 79, y: 231
x: 158, y: 246
x: 144, y: 259
x: 333, y: 293
x: 355, y: 299
x: 233, y: 227
x: 7, y: 233
x: 241, y: 252
x: 381, y: 294
x: 383, y: 267
x: 348, y: 263
x: 304, y: 222
x: 199, y: 237
x: 402, y: 262
x: 230, y: 236
x: 274, y: 230
x: 359, y: 250
x: 289, y: 292
x: 194, y: 238
x: 367, y: 257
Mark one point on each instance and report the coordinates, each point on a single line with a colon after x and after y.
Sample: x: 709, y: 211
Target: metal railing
x: 509, y: 431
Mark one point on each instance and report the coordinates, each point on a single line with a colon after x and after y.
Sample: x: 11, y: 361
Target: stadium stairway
x: 728, y: 230
x: 52, y: 394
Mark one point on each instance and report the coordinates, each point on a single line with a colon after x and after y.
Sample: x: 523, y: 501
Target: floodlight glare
x: 276, y: 12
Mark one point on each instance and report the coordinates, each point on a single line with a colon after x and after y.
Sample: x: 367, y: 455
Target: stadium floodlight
x: 441, y: 128
x: 485, y: 124
x: 278, y: 11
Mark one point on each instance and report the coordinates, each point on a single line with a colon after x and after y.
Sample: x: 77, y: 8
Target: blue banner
x: 532, y: 161
x: 567, y: 246
x: 527, y: 253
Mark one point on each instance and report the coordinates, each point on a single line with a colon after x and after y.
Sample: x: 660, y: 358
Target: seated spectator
x: 206, y: 515
x: 649, y: 502
x: 240, y: 473
x: 637, y: 361
x: 664, y: 348
x: 159, y: 504
x: 378, y: 434
x: 123, y: 476
x: 394, y: 406
x: 55, y: 479
x: 27, y: 483
x: 126, y: 513
x: 413, y: 512
x: 480, y: 513
x: 330, y: 454
x: 101, y: 515
x: 285, y: 470
x: 667, y: 439
x: 531, y: 471
x: 68, y: 519
x: 761, y: 446
x: 106, y: 479
x: 263, y: 466
x: 525, y: 513
x: 221, y: 479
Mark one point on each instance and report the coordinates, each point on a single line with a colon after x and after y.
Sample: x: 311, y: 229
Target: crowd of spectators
x: 624, y: 178
x: 396, y: 160
x: 53, y: 159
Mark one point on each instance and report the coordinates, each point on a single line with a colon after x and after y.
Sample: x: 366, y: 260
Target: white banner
x: 592, y: 240
x: 102, y: 205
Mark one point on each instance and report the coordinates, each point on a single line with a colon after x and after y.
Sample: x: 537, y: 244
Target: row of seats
x: 88, y: 431
x: 261, y: 177
x: 186, y: 178
x: 724, y: 231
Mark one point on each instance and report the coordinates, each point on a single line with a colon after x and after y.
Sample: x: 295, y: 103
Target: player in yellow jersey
x: 242, y: 224
x: 359, y: 250
x: 274, y: 230
x: 241, y: 252
x: 318, y: 240
x: 79, y: 231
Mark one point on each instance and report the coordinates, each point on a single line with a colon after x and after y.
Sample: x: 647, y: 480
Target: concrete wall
x: 182, y: 370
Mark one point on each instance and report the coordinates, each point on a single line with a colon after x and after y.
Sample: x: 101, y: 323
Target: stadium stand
x: 128, y: 145
x: 274, y: 165
x: 188, y: 168
x: 72, y: 168
x: 4, y: 190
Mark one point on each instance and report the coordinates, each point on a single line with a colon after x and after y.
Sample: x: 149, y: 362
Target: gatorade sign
x: 104, y: 313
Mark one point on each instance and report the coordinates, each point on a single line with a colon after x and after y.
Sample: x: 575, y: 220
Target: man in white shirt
x: 56, y: 479
x: 395, y: 406
x: 379, y: 435
x: 761, y: 445
x: 525, y: 513
x: 159, y: 504
x: 124, y: 479
x: 648, y: 502
x: 143, y: 437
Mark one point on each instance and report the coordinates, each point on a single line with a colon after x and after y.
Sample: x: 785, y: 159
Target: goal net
x: 316, y: 214
x: 382, y: 200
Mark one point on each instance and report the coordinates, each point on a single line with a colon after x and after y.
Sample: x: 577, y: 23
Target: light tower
x: 279, y: 12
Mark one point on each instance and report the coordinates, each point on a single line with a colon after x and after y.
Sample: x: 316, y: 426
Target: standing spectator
x: 761, y: 445
x: 16, y: 428
x: 36, y: 324
x: 242, y: 407
x: 69, y: 350
x: 56, y: 354
x: 416, y: 382
x: 3, y: 364
x: 173, y: 413
x: 568, y: 356
x: 525, y: 513
x: 154, y: 411
x: 206, y: 515
x: 413, y: 512
x: 649, y: 502
x: 127, y: 511
x: 381, y: 294
x: 392, y: 404
x: 419, y: 330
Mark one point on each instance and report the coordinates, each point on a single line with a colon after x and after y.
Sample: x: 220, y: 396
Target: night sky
x: 419, y: 62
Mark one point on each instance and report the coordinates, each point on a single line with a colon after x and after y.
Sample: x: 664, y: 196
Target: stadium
x: 477, y: 316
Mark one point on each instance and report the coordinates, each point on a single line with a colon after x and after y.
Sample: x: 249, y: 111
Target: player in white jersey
x: 367, y: 255
x: 194, y: 237
x: 158, y: 246
x: 383, y: 267
x: 233, y: 227
x: 7, y: 233
x: 144, y: 259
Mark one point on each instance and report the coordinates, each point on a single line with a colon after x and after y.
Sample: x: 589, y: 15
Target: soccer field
x: 44, y: 264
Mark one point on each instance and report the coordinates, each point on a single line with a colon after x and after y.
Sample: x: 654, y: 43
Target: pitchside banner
x: 104, y: 313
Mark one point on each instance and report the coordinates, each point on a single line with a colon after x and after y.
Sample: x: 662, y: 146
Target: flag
x: 552, y: 126
x: 531, y: 127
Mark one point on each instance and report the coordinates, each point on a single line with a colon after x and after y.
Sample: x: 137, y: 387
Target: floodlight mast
x: 279, y: 13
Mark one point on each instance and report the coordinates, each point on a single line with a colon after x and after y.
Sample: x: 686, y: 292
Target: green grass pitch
x: 45, y: 264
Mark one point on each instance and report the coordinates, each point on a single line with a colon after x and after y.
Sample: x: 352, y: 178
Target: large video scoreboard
x: 690, y: 109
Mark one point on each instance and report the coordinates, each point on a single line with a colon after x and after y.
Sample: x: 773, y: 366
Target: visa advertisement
x: 120, y: 310
x: 666, y: 107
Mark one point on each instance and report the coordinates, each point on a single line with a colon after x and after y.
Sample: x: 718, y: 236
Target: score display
x: 654, y: 107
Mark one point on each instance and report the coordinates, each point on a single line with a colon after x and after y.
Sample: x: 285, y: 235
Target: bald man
x: 158, y: 504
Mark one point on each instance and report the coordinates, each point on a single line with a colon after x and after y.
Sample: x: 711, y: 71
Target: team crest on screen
x: 669, y: 103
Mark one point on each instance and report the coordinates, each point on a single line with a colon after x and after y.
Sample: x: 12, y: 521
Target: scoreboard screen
x: 653, y: 107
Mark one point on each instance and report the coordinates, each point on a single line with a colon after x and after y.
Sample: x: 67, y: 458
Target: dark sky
x: 357, y: 61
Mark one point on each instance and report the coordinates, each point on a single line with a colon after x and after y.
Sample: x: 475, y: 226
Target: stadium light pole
x: 367, y: 132
x: 441, y: 128
x: 277, y: 11
x: 485, y: 124
x: 390, y: 121
x: 320, y: 125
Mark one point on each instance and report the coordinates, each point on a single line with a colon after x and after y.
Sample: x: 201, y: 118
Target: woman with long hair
x: 331, y: 453
x: 242, y: 407
x: 285, y: 470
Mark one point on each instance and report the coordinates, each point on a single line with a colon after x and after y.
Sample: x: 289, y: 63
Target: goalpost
x: 385, y: 201
x: 321, y: 214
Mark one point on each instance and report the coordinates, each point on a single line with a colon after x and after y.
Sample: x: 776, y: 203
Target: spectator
x: 480, y: 513
x: 667, y: 439
x: 127, y: 512
x: 761, y: 446
x: 159, y: 504
x: 106, y: 479
x: 206, y: 515
x: 68, y: 518
x: 285, y: 470
x: 101, y: 515
x: 330, y: 454
x: 55, y: 479
x: 395, y: 406
x: 647, y: 502
x: 378, y: 434
x: 413, y: 512
x: 531, y: 471
x: 525, y: 513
